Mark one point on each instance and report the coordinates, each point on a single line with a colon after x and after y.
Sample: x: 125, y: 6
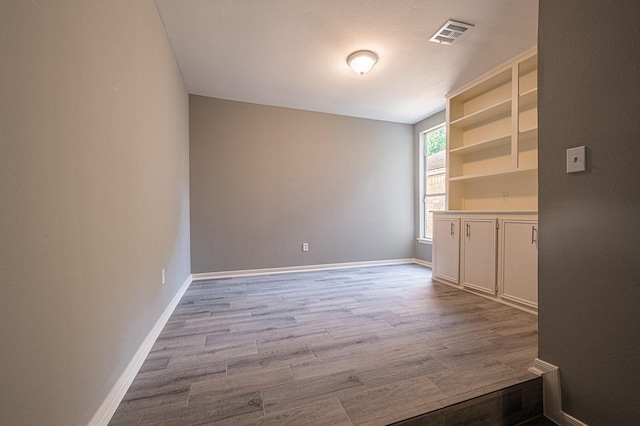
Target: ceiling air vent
x: 451, y: 32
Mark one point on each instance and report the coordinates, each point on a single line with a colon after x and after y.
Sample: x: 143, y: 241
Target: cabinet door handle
x: 451, y: 229
x: 533, y: 235
x: 468, y: 230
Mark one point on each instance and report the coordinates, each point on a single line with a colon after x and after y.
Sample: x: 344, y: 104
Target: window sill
x: 424, y: 241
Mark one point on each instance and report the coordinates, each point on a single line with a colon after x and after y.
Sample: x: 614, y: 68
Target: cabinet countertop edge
x: 486, y: 212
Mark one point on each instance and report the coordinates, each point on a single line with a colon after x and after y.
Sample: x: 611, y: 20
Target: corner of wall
x: 552, y: 396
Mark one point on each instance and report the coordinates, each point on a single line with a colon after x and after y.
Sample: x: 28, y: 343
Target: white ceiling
x: 292, y: 53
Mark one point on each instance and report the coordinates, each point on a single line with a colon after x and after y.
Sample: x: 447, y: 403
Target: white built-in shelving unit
x: 492, y: 140
x: 486, y: 242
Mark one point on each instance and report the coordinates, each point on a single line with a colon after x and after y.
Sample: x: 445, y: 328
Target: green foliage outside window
x: 436, y: 140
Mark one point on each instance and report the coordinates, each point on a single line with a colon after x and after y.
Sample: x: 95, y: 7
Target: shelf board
x: 483, y: 85
x: 528, y: 65
x: 494, y: 175
x: 493, y: 112
x: 481, y: 146
x: 528, y: 92
x: 529, y: 132
x: 528, y: 99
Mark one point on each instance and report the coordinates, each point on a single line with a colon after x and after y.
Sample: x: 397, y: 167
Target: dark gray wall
x: 424, y: 251
x: 589, y: 252
x: 94, y: 199
x: 266, y: 179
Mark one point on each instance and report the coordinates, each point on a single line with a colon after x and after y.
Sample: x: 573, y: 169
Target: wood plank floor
x: 355, y: 346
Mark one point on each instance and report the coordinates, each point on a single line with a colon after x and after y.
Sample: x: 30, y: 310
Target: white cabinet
x: 492, y: 254
x: 446, y: 248
x: 519, y: 261
x: 479, y: 254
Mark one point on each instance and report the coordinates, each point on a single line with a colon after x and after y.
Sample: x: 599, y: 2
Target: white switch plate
x: 577, y: 159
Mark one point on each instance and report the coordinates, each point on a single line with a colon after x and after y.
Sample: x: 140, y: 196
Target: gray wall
x: 424, y: 251
x: 94, y: 199
x: 589, y: 252
x: 266, y: 179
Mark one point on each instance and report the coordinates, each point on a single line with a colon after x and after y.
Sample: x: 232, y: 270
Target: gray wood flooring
x: 354, y: 346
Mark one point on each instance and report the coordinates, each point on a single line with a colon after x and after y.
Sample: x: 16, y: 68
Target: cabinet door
x: 479, y: 254
x: 446, y: 249
x: 519, y: 261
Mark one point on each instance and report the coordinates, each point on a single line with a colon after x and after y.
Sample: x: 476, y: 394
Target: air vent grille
x: 451, y: 32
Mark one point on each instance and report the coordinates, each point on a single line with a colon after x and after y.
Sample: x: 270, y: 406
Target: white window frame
x: 422, y: 185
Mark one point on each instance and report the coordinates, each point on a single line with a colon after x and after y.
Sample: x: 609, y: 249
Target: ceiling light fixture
x: 362, y: 61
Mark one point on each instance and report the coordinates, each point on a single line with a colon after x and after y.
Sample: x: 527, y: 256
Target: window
x: 435, y: 167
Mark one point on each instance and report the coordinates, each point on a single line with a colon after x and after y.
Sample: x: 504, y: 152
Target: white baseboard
x: 552, y: 396
x: 113, y: 399
x: 570, y: 420
x: 303, y: 268
x: 423, y: 263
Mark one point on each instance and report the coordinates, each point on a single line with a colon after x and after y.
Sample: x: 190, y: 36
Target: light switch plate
x: 577, y: 159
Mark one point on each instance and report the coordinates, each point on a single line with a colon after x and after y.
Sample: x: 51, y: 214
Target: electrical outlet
x: 163, y: 277
x: 505, y: 197
x: 305, y: 246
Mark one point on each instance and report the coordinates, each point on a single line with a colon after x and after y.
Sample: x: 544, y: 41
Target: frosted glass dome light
x: 362, y: 61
